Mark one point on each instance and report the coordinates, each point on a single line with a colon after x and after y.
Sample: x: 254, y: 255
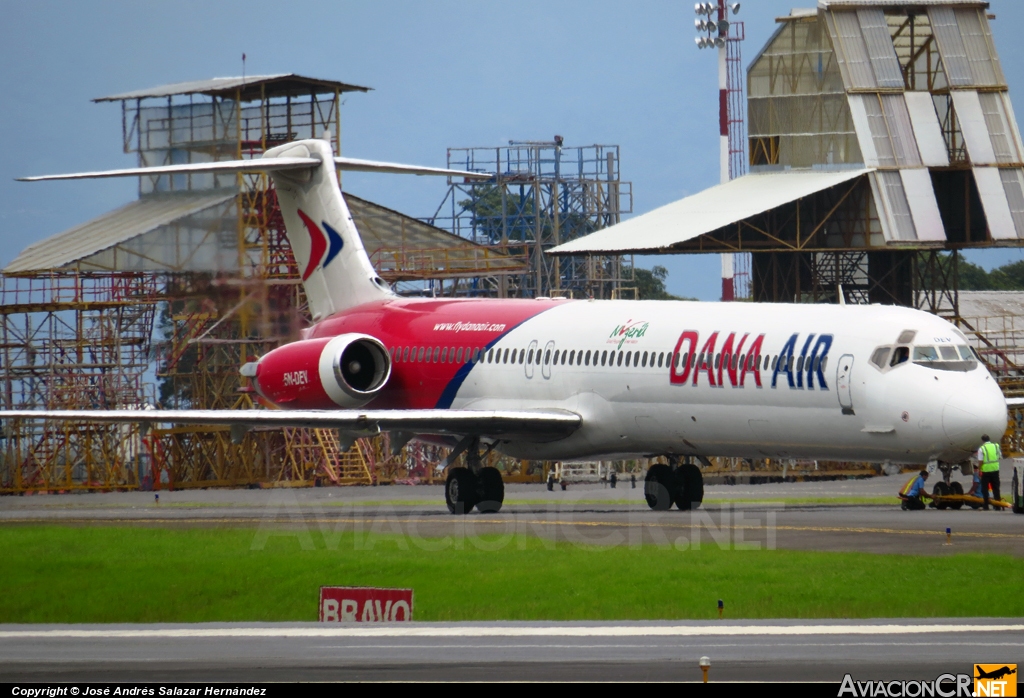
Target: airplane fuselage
x: 683, y: 378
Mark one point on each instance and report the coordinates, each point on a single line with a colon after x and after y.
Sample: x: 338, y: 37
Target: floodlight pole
x: 718, y: 36
x: 723, y: 101
x: 728, y: 288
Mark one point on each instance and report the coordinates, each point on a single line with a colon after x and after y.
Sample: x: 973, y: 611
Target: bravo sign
x: 364, y: 605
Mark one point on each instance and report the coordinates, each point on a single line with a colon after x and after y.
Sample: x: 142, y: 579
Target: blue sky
x: 445, y: 73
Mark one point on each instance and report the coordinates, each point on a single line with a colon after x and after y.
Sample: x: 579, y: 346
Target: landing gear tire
x: 491, y: 491
x: 460, y: 491
x: 689, y: 491
x: 658, y: 487
x: 941, y: 489
x: 956, y: 488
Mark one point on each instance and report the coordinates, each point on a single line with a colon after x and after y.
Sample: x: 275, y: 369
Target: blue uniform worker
x: 913, y: 491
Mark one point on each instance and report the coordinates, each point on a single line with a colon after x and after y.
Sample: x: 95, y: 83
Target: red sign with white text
x: 364, y: 605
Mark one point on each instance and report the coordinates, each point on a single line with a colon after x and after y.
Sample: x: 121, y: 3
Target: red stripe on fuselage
x: 468, y: 324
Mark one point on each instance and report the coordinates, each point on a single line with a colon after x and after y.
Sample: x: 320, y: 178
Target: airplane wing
x: 530, y: 425
x: 262, y: 165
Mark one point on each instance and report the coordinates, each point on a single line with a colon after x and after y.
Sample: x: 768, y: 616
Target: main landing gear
x: 475, y: 486
x: 677, y: 483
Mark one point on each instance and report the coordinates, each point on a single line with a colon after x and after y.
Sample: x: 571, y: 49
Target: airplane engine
x: 344, y: 371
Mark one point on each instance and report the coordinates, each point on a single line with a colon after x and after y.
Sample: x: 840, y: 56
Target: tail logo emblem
x: 322, y: 246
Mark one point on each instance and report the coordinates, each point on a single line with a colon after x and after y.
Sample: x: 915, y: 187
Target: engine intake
x: 344, y: 371
x: 360, y: 366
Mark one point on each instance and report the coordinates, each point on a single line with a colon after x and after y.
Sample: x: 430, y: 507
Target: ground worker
x: 551, y: 481
x: 613, y: 478
x: 976, y: 484
x: 913, y: 491
x: 988, y: 456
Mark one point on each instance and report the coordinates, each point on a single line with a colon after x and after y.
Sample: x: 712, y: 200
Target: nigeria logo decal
x: 325, y: 246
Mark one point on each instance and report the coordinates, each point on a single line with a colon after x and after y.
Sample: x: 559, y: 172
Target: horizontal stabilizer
x: 226, y: 166
x: 354, y: 165
x: 530, y: 425
x: 273, y: 164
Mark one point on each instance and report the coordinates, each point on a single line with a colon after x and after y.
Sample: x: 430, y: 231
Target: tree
x: 650, y: 284
x: 1009, y: 277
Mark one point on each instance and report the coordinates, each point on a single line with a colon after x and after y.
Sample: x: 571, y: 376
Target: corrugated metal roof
x: 833, y: 4
x: 253, y: 87
x: 978, y: 304
x: 404, y: 248
x: 196, y: 231
x: 113, y: 228
x: 384, y: 228
x: 707, y: 211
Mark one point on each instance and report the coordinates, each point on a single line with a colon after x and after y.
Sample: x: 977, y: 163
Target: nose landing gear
x: 474, y: 486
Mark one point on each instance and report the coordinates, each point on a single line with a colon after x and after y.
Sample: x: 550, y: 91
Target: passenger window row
x: 590, y: 357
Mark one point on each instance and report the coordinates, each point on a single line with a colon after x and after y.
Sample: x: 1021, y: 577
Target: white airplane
x: 553, y: 379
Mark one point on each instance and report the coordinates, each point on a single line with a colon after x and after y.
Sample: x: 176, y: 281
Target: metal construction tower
x: 544, y: 194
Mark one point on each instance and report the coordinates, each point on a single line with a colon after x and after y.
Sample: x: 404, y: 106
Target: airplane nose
x: 969, y: 416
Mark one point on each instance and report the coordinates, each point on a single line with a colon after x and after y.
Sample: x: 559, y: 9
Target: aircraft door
x: 531, y: 357
x: 844, y: 369
x: 548, y: 357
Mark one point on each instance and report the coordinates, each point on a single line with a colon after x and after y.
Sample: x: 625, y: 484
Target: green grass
x: 132, y: 574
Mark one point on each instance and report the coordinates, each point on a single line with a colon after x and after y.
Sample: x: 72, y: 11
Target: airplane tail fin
x: 333, y: 264
x: 335, y: 270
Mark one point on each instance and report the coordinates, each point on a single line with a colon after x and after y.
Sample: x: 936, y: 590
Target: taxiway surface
x: 785, y: 515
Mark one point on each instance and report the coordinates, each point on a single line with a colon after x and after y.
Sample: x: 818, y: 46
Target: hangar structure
x: 881, y: 137
x: 882, y: 142
x: 195, y: 277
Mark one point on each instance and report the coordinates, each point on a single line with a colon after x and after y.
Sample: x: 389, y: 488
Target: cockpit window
x: 880, y: 357
x: 946, y: 357
x: 901, y: 355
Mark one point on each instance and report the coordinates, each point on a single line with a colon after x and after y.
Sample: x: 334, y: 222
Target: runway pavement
x: 784, y: 515
x: 654, y: 651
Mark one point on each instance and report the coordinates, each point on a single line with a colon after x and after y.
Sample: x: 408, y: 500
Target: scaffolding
x: 543, y: 194
x: 180, y: 288
x: 74, y: 341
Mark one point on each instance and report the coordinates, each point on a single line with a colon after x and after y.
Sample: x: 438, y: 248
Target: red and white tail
x: 335, y: 270
x: 333, y: 264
